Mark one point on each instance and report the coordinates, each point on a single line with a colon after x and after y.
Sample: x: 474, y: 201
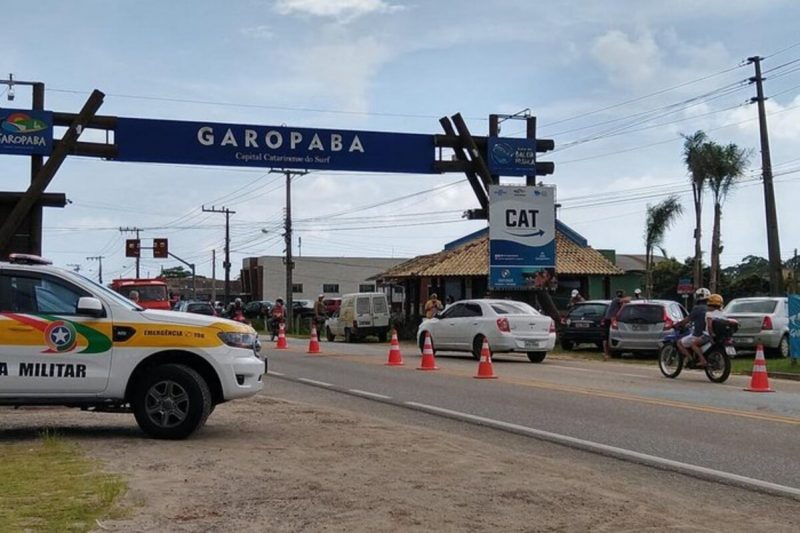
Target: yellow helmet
x: 715, y: 300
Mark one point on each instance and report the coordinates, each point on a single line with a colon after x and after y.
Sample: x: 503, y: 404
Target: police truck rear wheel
x: 171, y: 402
x: 329, y: 334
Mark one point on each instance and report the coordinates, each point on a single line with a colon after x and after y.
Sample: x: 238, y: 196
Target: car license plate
x: 746, y: 340
x: 730, y: 350
x: 639, y: 327
x: 529, y: 345
x: 581, y: 324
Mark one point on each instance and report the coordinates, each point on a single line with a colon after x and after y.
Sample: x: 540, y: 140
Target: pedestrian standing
x: 320, y: 314
x: 611, y: 312
x: 575, y: 298
x: 432, y: 306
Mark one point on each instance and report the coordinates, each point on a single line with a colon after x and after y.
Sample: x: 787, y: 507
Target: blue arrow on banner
x: 794, y: 326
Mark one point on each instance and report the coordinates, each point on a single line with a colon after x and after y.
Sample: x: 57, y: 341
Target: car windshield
x: 513, y: 308
x: 751, y: 306
x: 588, y: 311
x: 650, y: 314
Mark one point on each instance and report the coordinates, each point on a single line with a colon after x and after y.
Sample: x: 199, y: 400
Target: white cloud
x: 344, y: 10
x: 261, y: 32
x: 627, y: 59
x: 342, y: 71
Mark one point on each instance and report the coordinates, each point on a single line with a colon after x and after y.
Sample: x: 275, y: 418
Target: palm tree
x: 659, y: 218
x: 726, y: 164
x: 694, y: 157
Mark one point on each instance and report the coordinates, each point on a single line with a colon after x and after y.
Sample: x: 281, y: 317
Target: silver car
x: 509, y: 326
x: 641, y: 325
x: 762, y: 320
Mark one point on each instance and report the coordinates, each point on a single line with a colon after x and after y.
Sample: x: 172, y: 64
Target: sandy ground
x: 267, y: 464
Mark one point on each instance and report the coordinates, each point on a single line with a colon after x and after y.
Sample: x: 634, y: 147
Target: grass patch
x: 741, y: 365
x: 47, y: 485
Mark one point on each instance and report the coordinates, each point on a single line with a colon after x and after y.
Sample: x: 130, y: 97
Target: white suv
x: 65, y: 340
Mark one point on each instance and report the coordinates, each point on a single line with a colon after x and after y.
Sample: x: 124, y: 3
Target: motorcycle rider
x: 236, y: 310
x: 715, y: 304
x: 698, y: 322
x: 277, y: 316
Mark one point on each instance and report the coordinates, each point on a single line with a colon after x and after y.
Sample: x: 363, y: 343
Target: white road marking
x: 273, y: 373
x: 315, y: 382
x: 370, y: 394
x: 615, y: 451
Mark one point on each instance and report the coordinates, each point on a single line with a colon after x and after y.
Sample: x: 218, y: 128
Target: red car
x: 332, y: 305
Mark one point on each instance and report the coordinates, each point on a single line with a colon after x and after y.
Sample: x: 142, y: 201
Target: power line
x: 259, y: 106
x: 644, y: 97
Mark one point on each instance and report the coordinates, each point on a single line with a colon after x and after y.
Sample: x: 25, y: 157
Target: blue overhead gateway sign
x: 206, y: 143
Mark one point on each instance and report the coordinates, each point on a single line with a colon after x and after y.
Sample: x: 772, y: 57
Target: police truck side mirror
x: 90, y: 306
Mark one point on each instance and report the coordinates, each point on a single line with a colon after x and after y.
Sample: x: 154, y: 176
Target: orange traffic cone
x: 395, y: 357
x: 281, y: 344
x: 485, y: 369
x: 428, y: 361
x: 313, y: 343
x: 759, y: 381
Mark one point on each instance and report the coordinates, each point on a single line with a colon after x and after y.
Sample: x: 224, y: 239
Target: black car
x: 584, y: 324
x: 303, y: 308
x: 257, y: 308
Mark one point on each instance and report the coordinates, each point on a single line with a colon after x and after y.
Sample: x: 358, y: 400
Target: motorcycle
x: 274, y: 326
x: 718, y: 351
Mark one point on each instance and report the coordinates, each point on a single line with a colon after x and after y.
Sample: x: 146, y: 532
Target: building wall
x: 349, y: 273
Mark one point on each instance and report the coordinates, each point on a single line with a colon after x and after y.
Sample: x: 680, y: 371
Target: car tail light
x: 667, y: 321
x: 552, y: 327
x: 614, y: 323
x: 502, y: 325
x: 766, y: 323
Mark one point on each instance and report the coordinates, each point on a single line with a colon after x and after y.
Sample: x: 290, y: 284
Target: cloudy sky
x: 615, y: 83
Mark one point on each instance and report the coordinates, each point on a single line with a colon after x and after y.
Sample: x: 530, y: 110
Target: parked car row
x: 510, y: 326
x: 640, y: 325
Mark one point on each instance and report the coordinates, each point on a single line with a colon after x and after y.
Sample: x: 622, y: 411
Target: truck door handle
x: 21, y: 328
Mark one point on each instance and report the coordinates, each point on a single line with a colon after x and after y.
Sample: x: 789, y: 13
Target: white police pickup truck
x: 65, y: 340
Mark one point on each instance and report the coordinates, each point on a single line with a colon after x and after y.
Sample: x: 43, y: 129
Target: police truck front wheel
x: 171, y: 402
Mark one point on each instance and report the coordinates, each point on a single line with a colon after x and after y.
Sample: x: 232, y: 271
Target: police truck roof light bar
x: 28, y: 259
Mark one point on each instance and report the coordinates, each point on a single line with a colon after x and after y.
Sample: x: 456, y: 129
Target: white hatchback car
x: 509, y: 326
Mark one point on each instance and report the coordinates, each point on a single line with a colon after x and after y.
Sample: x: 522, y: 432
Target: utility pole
x: 99, y: 259
x: 213, y: 276
x: 773, y: 239
x: 287, y: 238
x: 136, y: 231
x: 227, y: 263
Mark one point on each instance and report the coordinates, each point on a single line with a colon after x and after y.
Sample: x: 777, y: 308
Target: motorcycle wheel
x: 719, y: 365
x: 670, y: 361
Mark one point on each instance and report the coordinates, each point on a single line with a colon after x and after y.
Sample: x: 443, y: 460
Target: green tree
x: 667, y: 274
x: 724, y: 165
x: 694, y: 157
x: 176, y: 272
x: 659, y: 218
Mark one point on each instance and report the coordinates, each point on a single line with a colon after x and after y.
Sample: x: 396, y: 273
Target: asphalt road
x: 688, y: 420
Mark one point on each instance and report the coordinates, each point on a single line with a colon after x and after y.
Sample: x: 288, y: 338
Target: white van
x: 361, y: 314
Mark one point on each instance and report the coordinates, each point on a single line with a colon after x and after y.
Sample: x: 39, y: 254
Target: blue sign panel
x: 522, y: 237
x: 511, y: 157
x: 205, y: 143
x: 794, y: 326
x: 26, y: 132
